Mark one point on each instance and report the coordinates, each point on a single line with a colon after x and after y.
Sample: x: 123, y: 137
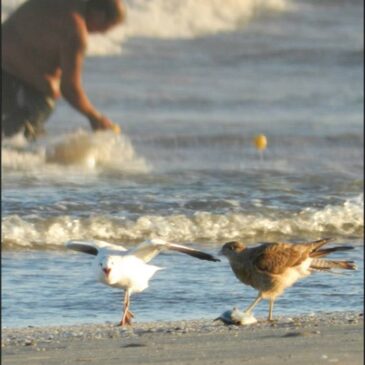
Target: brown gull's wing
x: 275, y: 258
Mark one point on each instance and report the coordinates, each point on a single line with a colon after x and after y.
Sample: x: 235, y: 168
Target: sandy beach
x: 309, y: 339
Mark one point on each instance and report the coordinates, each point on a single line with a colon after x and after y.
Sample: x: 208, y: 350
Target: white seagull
x: 118, y: 267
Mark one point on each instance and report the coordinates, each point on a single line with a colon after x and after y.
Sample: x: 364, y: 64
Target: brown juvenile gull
x: 118, y: 267
x: 272, y: 267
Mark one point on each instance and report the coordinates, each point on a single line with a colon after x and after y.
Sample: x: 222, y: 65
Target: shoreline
x: 322, y: 338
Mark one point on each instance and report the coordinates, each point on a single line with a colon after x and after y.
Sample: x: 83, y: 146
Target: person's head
x: 101, y: 15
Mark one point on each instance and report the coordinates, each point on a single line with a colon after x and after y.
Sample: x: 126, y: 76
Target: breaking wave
x: 345, y: 220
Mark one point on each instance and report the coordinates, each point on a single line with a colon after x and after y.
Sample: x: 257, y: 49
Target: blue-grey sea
x: 191, y: 84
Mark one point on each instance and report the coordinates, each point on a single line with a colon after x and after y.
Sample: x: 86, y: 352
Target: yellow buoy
x: 260, y: 142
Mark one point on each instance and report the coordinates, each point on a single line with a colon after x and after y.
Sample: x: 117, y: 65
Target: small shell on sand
x: 237, y: 317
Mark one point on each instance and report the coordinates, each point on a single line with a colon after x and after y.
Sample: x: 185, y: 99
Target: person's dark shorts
x: 23, y: 108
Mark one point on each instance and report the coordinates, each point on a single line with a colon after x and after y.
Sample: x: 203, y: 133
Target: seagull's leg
x: 126, y: 318
x: 253, y: 304
x: 129, y: 314
x: 271, y: 306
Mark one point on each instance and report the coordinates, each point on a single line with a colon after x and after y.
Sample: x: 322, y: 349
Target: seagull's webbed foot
x: 127, y: 319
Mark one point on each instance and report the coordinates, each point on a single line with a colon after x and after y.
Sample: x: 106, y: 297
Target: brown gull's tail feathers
x: 326, y: 265
x: 326, y: 251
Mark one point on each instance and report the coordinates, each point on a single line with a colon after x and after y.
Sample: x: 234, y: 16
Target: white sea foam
x: 174, y: 19
x: 333, y: 220
x: 90, y: 151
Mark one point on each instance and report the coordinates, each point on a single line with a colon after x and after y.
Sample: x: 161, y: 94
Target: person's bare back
x: 34, y: 37
x: 44, y: 44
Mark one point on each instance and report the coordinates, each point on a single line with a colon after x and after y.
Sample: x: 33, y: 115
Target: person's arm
x: 72, y: 57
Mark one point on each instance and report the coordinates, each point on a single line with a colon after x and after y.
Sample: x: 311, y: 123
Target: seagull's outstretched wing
x: 147, y: 250
x: 94, y: 247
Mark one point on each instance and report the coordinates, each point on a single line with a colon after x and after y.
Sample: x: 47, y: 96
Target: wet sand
x: 326, y: 338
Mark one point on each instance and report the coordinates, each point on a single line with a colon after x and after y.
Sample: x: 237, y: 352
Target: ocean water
x: 191, y: 84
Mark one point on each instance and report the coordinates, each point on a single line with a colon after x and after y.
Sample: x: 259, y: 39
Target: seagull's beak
x: 107, y: 271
